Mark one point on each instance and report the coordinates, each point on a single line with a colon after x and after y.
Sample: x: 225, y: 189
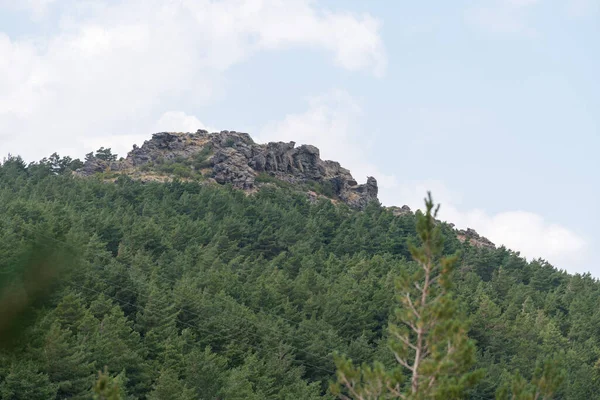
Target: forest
x: 187, y: 290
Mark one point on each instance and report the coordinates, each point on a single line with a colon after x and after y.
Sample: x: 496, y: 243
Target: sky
x: 493, y: 105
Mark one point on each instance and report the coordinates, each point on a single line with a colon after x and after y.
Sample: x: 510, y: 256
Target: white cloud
x: 178, y: 121
x: 332, y: 123
x: 170, y: 121
x: 527, y: 232
x: 114, y: 71
x: 119, y: 144
x: 530, y: 233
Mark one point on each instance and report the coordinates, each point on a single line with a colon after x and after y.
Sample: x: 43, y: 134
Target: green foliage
x: 264, y: 177
x: 428, y: 336
x: 202, y: 289
x: 54, y: 165
x: 28, y: 281
x: 24, y: 382
x: 107, y: 387
x: 66, y: 361
x: 170, y: 387
x: 324, y: 188
x: 13, y: 165
x: 108, y: 175
x: 179, y: 167
x: 202, y: 159
x: 544, y: 385
x: 146, y: 167
x: 105, y: 154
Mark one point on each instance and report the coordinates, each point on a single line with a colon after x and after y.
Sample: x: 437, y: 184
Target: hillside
x: 230, y: 157
x: 244, y: 289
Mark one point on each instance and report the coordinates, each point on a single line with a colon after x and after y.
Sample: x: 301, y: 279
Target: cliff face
x: 233, y: 157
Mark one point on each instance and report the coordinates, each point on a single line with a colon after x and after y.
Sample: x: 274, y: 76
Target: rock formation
x: 399, y: 211
x: 474, y: 238
x: 233, y: 157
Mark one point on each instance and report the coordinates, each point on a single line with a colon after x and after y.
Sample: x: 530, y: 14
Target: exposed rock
x: 97, y: 165
x: 399, y: 211
x: 474, y: 238
x: 235, y: 158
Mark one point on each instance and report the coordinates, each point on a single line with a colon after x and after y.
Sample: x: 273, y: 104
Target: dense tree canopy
x: 186, y: 290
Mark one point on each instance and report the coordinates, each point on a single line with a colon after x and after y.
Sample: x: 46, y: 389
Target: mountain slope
x: 201, y: 290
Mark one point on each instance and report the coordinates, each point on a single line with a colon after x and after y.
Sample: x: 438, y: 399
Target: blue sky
x: 493, y: 105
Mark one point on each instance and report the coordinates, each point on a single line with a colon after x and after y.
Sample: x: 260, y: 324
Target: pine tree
x: 117, y: 346
x: 109, y: 388
x: 24, y: 382
x: 205, y: 372
x: 546, y: 381
x: 428, y: 340
x: 156, y: 322
x: 67, y: 363
x: 105, y: 154
x: 70, y: 312
x: 169, y: 387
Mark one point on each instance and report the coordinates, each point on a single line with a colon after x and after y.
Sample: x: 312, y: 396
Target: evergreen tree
x: 105, y: 154
x: 544, y: 385
x: 205, y: 372
x: 429, y: 341
x: 170, y: 387
x: 67, y: 363
x: 25, y: 382
x: 117, y: 346
x: 157, y: 321
x: 108, y: 387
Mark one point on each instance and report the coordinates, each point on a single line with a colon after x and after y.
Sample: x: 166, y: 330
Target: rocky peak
x: 474, y: 238
x: 233, y: 157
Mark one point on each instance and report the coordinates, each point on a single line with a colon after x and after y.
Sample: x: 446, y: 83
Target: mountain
x: 201, y: 267
x: 230, y: 157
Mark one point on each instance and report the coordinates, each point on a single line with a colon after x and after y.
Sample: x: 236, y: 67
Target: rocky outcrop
x: 233, y: 157
x: 474, y: 238
x: 399, y: 211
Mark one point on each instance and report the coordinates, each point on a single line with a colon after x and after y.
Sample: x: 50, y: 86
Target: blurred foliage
x: 29, y: 282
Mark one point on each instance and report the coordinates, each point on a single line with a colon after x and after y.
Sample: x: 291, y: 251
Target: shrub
x: 323, y: 188
x: 181, y: 170
x: 263, y: 177
x: 202, y: 159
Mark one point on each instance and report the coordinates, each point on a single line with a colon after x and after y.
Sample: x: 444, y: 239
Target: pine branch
x: 412, y: 306
x: 403, y: 362
x: 404, y: 339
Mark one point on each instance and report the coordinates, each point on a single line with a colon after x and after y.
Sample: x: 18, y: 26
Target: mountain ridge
x: 230, y: 157
x: 233, y: 157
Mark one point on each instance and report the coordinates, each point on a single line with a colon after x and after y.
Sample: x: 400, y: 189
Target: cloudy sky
x: 494, y: 105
